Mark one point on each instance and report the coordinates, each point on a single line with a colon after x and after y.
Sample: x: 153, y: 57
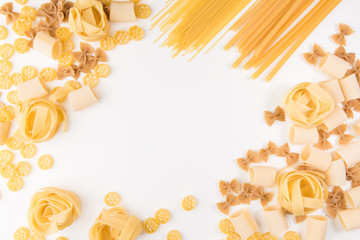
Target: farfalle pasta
x: 52, y: 209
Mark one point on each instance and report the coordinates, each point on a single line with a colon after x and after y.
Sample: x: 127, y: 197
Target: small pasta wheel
x: 91, y: 79
x: 5, y: 66
x: 28, y: 11
x: 122, y: 37
x: 233, y: 236
x: 10, y: 111
x: 29, y: 72
x: 108, y: 43
x: 67, y: 45
x: 173, y: 235
x: 189, y: 203
x: 5, y: 81
x: 136, y: 1
x: 24, y: 23
x: 6, y: 156
x: 102, y: 70
x: 22, y: 233
x: 66, y: 60
x: 112, y: 199
x: 255, y: 236
x: 61, y: 238
x: 291, y: 235
x: 14, y: 143
x: 21, y: 2
x: 3, y: 33
x: 28, y: 150
x: 18, y: 31
x: 45, y: 162
x: 162, y: 216
x: 151, y: 225
x: 4, y: 116
x: 22, y: 169
x: 21, y: 45
x: 7, y: 170
x: 268, y: 236
x: 74, y: 84
x: 142, y: 11
x: 47, y: 74
x: 60, y: 99
x: 33, y: 237
x: 13, y: 97
x: 63, y: 33
x: 15, y: 184
x: 136, y: 33
x: 16, y: 79
x: 6, y: 50
x: 226, y: 227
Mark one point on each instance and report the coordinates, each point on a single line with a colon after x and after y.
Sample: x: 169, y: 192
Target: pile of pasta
x: 317, y: 177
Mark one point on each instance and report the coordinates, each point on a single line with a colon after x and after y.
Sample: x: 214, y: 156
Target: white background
x: 163, y: 129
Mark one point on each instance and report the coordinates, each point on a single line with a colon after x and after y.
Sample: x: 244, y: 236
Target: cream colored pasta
x: 82, y: 98
x: 350, y: 218
x: 4, y: 132
x: 275, y: 220
x: 122, y: 11
x: 244, y: 223
x: 31, y: 89
x: 333, y: 87
x: 334, y: 66
x: 350, y: 153
x: 356, y: 128
x: 316, y: 157
x: 303, y: 135
x: 350, y: 87
x: 262, y: 176
x: 47, y: 45
x: 335, y: 119
x: 353, y: 196
x: 316, y: 227
x: 336, y: 174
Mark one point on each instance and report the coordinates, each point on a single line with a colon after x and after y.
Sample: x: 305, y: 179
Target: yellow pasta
x: 21, y: 2
x: 7, y: 171
x: 3, y: 33
x: 142, y: 11
x: 173, y: 235
x: 67, y: 45
x: 5, y: 81
x: 291, y: 235
x: 5, y: 66
x: 22, y: 169
x: 6, y: 50
x: 122, y: 37
x: 66, y: 59
x: 63, y: 33
x: 151, y: 225
x: 136, y: 33
x: 16, y: 79
x: 91, y: 80
x: 6, y: 156
x: 45, y: 162
x: 24, y: 23
x: 28, y: 150
x: 15, y: 184
x: 226, y: 226
x: 255, y: 236
x: 189, y: 203
x: 28, y: 11
x: 268, y: 236
x: 4, y: 116
x: 22, y: 233
x: 14, y: 143
x: 29, y: 72
x: 47, y: 74
x: 233, y: 236
x: 102, y: 70
x: 18, y: 31
x: 112, y: 199
x: 162, y: 216
x: 108, y: 43
x: 61, y: 238
x: 21, y: 45
x: 13, y: 98
x: 74, y: 84
x: 10, y: 111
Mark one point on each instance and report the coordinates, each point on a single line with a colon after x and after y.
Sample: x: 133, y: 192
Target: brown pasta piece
x: 306, y: 167
x: 343, y: 138
x: 323, y: 143
x: 291, y: 158
x: 63, y: 72
x: 228, y: 187
x: 100, y: 56
x: 344, y: 30
x: 341, y: 53
x: 246, y: 194
x: 265, y: 153
x: 313, y: 57
x: 31, y: 34
x: 224, y: 207
x: 278, y: 115
x: 66, y: 10
x: 300, y: 219
x: 83, y: 56
x: 251, y: 157
x: 7, y: 10
x: 349, y: 106
x: 335, y: 201
x: 48, y: 26
x: 353, y: 173
x: 357, y: 107
x: 355, y: 69
x: 265, y: 198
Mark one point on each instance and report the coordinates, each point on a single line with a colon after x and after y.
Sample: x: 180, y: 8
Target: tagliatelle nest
x: 313, y: 57
x: 278, y: 115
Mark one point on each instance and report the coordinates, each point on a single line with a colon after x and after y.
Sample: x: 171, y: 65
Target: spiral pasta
x: 302, y: 192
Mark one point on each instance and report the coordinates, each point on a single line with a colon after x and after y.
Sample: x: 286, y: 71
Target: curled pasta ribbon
x: 265, y: 153
x: 115, y: 224
x: 343, y: 137
x: 341, y: 53
x: 323, y: 143
x: 302, y: 192
x: 38, y: 120
x: 52, y: 209
x: 278, y: 115
x: 314, y: 56
x: 61, y: 93
x: 227, y: 187
x: 344, y: 30
x: 7, y: 10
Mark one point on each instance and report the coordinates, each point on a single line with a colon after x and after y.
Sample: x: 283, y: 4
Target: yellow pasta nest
x: 21, y: 45
x: 226, y: 226
x: 173, y: 235
x: 14, y: 143
x: 22, y: 169
x: 7, y: 171
x: 18, y: 31
x: 28, y: 11
x: 268, y: 236
x: 6, y: 50
x: 24, y: 23
x: 151, y: 225
x: 162, y: 216
x: 45, y: 162
x: 108, y: 43
x: 22, y: 233
x: 112, y: 199
x: 136, y: 33
x: 13, y: 98
x: 142, y: 11
x: 28, y: 150
x: 6, y: 156
x: 17, y: 78
x: 3, y: 33
x: 233, y: 236
x: 63, y: 33
x: 21, y: 2
x: 47, y: 74
x: 29, y: 72
x: 291, y: 235
x: 189, y: 203
x: 15, y: 184
x: 66, y: 60
x: 5, y: 66
x: 5, y: 81
x: 91, y: 79
x: 255, y: 236
x: 122, y: 37
x: 102, y: 70
x: 67, y: 45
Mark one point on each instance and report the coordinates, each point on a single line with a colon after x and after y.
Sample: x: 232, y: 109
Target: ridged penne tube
x: 353, y: 197
x: 316, y: 157
x: 356, y: 128
x: 350, y: 87
x: 316, y: 226
x: 350, y: 153
x: 4, y: 132
x: 82, y: 98
x: 333, y: 87
x: 47, y: 45
x: 303, y: 135
x: 334, y: 66
x: 31, y: 89
x: 244, y: 223
x: 350, y: 218
x: 122, y: 11
x: 335, y: 119
x: 262, y: 176
x: 336, y: 174
x: 275, y: 220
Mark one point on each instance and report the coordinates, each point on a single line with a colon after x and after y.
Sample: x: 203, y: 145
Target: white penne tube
x: 275, y: 220
x: 336, y: 174
x: 316, y: 227
x: 333, y: 87
x: 122, y: 11
x: 335, y: 119
x: 244, y: 223
x: 47, y: 45
x: 350, y: 153
x: 353, y: 197
x: 32, y: 89
x: 4, y: 132
x: 356, y: 128
x: 82, y: 98
x: 350, y: 87
x: 262, y: 176
x: 350, y: 218
x: 300, y: 135
x: 316, y: 157
x: 334, y: 66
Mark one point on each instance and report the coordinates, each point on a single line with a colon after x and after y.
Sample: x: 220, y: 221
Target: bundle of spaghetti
x: 267, y: 31
x: 190, y: 25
